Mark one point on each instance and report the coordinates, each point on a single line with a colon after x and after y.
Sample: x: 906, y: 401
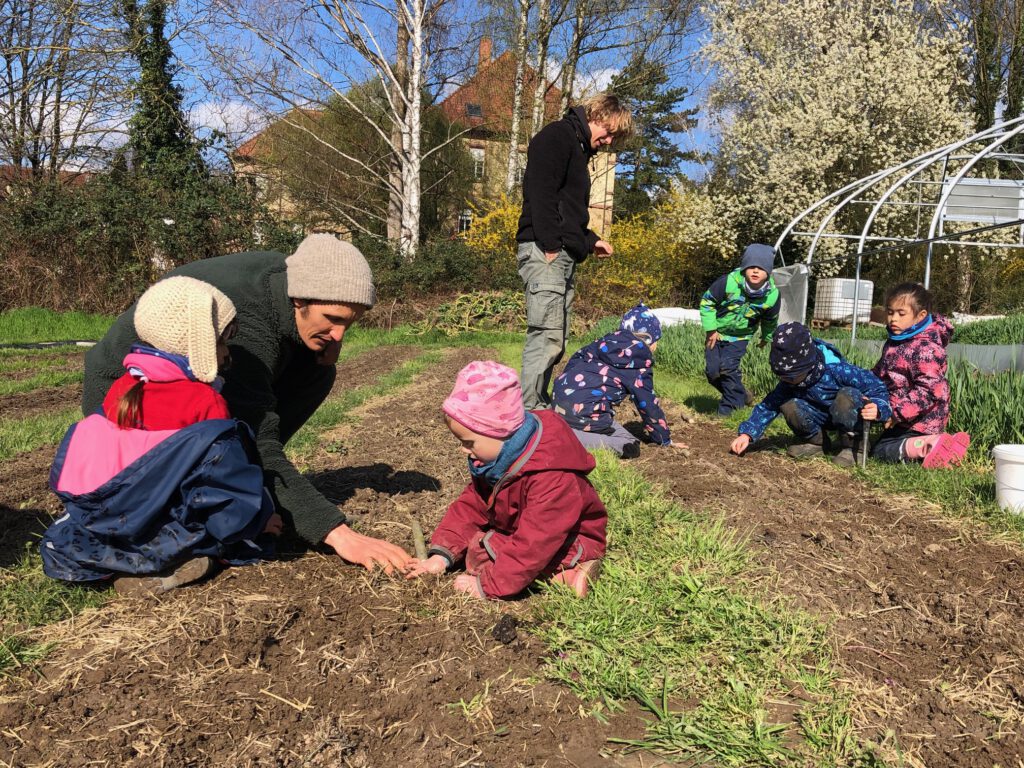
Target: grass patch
x: 335, y: 410
x: 29, y: 598
x: 21, y: 435
x: 968, y: 491
x: 33, y: 324
x: 684, y: 623
x: 988, y: 406
x: 54, y: 378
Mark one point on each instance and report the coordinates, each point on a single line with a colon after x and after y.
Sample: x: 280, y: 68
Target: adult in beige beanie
x: 293, y: 313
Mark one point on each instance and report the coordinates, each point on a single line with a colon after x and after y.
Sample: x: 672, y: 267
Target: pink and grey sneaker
x: 580, y: 577
x: 947, y: 451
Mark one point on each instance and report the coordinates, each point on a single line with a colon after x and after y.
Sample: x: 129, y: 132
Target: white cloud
x: 595, y: 81
x: 587, y: 83
x: 236, y: 119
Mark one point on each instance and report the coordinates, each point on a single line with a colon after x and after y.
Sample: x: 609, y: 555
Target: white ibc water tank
x: 833, y: 300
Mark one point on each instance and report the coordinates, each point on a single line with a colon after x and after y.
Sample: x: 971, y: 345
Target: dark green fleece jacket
x: 274, y: 383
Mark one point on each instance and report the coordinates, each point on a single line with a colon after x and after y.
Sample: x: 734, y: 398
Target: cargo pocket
x: 545, y: 304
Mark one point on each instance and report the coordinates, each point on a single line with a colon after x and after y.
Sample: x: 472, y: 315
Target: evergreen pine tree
x: 648, y: 162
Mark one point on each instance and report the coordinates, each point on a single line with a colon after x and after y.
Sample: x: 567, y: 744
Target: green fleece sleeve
x: 311, y: 513
x: 275, y: 407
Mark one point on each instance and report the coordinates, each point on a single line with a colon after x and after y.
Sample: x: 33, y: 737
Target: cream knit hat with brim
x: 324, y: 268
x: 185, y: 316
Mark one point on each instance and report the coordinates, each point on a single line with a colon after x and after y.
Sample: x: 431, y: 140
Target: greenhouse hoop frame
x: 947, y: 183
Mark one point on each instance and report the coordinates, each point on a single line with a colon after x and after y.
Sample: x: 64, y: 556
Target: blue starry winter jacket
x: 821, y: 393
x: 600, y: 376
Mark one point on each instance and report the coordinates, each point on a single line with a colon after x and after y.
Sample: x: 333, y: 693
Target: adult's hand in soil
x: 366, y: 550
x: 712, y: 339
x: 469, y: 584
x: 433, y: 564
x: 603, y: 249
x: 740, y: 444
x: 677, y: 445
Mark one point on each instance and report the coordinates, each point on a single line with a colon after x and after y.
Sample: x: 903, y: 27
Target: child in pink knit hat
x: 529, y: 511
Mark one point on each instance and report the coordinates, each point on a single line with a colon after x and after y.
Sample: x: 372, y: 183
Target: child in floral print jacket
x: 913, y: 368
x: 603, y: 374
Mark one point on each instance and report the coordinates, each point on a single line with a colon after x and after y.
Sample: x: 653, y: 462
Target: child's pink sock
x: 919, y: 447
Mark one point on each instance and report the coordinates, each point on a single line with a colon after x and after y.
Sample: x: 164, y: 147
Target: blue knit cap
x: 640, y: 319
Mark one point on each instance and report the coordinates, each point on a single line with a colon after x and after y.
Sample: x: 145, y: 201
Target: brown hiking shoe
x: 845, y: 458
x: 186, y: 573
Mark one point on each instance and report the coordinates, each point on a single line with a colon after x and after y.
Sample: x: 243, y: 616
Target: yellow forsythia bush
x: 666, y: 257
x: 646, y: 266
x: 492, y: 238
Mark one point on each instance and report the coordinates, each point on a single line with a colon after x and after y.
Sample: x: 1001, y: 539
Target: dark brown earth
x: 927, y: 612
x: 307, y: 661
x: 24, y: 405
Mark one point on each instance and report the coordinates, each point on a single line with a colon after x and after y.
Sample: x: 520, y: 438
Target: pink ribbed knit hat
x: 487, y: 399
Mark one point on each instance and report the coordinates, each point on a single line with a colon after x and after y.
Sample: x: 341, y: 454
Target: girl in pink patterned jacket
x: 913, y: 367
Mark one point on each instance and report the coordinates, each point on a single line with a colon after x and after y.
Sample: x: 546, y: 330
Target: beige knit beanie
x: 185, y: 316
x: 324, y: 268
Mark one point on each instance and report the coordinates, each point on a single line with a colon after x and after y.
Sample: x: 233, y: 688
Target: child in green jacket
x: 731, y: 311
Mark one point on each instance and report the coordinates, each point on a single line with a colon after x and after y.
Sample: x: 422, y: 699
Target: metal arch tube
x: 923, y: 161
x: 956, y: 180
x: 792, y: 224
x: 867, y: 181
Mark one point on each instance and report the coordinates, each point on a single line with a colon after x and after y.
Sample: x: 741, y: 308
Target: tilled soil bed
x: 927, y: 612
x: 308, y: 661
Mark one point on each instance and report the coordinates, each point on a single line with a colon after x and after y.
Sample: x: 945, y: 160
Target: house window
x: 465, y: 221
x: 478, y: 162
x: 474, y: 110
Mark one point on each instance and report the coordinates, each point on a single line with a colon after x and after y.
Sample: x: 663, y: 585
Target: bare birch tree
x: 300, y: 55
x: 61, y: 82
x: 520, y: 51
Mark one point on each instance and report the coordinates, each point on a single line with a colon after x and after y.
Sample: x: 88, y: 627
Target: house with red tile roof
x: 483, y: 106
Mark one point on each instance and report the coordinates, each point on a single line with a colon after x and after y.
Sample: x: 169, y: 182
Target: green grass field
x: 20, y: 326
x: 682, y: 623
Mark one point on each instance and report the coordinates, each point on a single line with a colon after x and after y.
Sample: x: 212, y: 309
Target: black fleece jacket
x: 556, y: 188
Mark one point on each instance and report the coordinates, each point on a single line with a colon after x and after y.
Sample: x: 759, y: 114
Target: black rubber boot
x: 813, y: 446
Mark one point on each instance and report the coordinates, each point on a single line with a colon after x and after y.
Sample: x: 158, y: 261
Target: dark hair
x: 129, y: 407
x: 915, y: 294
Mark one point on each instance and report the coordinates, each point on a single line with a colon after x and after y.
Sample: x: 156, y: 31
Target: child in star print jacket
x: 603, y: 374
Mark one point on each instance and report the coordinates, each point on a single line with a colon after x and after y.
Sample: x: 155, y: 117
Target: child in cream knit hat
x: 161, y: 485
x: 529, y: 511
x: 171, y: 379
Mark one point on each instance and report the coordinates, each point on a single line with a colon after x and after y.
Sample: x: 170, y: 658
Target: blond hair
x: 606, y: 108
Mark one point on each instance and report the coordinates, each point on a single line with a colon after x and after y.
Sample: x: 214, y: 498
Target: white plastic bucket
x: 1010, y: 477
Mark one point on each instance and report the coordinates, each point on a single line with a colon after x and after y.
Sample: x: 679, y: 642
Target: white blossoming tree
x: 810, y: 95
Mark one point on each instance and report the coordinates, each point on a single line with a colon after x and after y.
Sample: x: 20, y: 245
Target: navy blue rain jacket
x: 198, y: 492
